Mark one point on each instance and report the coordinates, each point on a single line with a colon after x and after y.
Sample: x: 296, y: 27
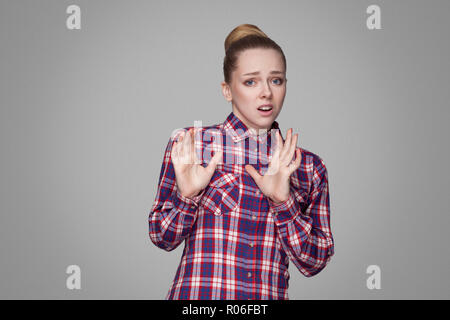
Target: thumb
x: 253, y: 173
x: 214, y: 161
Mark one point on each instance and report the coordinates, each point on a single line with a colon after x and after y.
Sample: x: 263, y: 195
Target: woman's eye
x: 280, y: 81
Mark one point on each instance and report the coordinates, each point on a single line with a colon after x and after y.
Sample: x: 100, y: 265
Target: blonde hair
x: 241, y: 38
x: 241, y: 31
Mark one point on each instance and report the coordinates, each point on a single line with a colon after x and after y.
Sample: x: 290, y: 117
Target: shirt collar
x: 239, y: 131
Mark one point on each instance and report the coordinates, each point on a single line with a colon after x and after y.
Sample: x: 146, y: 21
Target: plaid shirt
x: 237, y: 241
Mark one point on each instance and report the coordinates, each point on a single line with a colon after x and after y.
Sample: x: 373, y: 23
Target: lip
x: 266, y: 113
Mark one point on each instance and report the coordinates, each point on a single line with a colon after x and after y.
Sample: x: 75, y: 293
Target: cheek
x: 281, y: 92
x: 245, y: 94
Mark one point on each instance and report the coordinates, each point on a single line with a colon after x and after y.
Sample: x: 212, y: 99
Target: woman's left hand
x: 275, y: 183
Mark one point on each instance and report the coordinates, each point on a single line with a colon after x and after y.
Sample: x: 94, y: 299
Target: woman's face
x: 260, y: 78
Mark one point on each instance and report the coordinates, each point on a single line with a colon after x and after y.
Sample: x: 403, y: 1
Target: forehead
x: 263, y: 60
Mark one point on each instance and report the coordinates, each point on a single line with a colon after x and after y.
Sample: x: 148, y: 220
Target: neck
x: 253, y: 129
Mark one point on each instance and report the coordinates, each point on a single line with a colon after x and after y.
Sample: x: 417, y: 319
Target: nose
x: 266, y: 91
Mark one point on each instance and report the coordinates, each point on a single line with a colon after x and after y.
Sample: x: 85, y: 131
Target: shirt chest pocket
x: 222, y: 194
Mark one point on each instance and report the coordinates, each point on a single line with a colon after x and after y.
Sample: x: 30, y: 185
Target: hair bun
x: 242, y: 31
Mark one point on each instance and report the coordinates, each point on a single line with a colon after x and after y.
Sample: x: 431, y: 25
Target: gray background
x: 86, y: 115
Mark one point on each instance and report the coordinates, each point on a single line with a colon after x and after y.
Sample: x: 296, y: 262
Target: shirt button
x: 251, y: 244
x: 249, y: 274
x: 256, y: 149
x: 257, y: 192
x: 192, y: 207
x: 254, y: 217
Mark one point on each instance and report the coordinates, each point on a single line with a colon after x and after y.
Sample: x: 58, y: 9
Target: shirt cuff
x: 186, y: 205
x: 287, y: 210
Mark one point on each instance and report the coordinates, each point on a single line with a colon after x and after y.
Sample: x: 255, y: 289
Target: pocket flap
x: 223, y: 180
x: 222, y: 195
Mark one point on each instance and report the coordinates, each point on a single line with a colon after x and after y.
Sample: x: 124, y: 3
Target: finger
x: 279, y: 144
x: 197, y: 155
x: 186, y: 141
x: 176, y: 147
x: 286, y: 145
x: 187, y: 147
x: 280, y: 141
x: 173, y: 153
x: 298, y: 160
x: 274, y: 148
x: 253, y: 173
x: 192, y: 153
x: 292, y: 149
x: 180, y: 137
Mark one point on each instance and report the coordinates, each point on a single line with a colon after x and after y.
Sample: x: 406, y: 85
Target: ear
x: 226, y: 91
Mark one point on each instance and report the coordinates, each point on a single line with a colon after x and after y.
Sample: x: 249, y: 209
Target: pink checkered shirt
x: 238, y: 243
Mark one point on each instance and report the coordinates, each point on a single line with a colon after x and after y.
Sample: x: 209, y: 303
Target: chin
x: 265, y: 124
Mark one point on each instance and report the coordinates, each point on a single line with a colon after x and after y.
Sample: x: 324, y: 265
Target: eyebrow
x: 257, y: 72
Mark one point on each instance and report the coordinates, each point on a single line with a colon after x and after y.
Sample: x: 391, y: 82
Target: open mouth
x: 265, y: 110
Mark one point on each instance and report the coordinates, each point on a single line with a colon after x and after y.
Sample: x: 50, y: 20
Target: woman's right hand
x: 191, y: 176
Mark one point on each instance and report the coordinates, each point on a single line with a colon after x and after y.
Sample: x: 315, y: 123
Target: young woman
x: 258, y: 202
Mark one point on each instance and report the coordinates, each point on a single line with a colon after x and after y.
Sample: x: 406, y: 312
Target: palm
x: 275, y: 183
x: 191, y: 176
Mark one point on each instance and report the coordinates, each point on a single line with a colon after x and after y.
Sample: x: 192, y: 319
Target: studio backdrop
x: 92, y: 90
